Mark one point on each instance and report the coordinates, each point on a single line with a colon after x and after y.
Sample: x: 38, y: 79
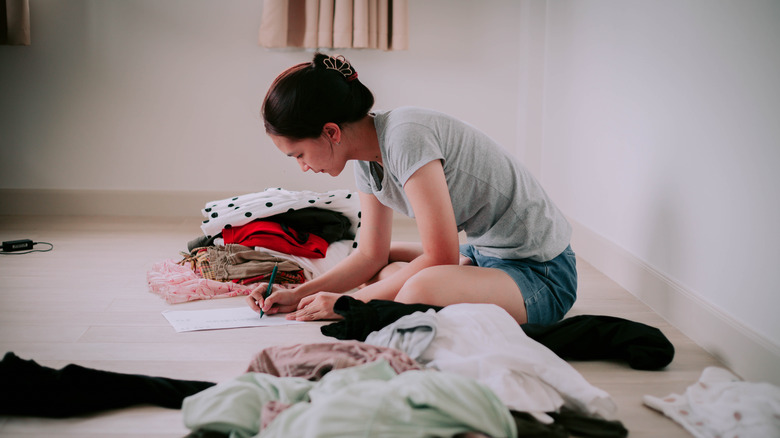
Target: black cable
x: 51, y: 247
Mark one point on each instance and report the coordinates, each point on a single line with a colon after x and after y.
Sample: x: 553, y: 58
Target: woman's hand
x: 317, y: 306
x: 281, y: 300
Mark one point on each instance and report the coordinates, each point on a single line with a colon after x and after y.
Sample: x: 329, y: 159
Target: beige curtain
x: 15, y: 22
x: 314, y: 24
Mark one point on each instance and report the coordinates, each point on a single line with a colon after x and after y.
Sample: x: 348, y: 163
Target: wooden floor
x: 87, y: 302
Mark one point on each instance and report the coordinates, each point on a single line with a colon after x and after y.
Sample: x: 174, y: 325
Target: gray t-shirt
x: 501, y: 207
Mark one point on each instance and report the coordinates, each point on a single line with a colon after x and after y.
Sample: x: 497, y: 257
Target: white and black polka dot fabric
x: 242, y: 209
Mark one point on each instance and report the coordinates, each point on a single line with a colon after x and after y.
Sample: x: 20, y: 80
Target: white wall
x: 662, y: 135
x: 149, y: 95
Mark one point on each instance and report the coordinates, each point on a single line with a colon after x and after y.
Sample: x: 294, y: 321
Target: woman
x: 446, y: 174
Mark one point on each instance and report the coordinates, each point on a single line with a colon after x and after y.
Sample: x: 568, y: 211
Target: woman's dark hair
x: 307, y: 96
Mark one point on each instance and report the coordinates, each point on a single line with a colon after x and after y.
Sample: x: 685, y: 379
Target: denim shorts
x: 549, y: 288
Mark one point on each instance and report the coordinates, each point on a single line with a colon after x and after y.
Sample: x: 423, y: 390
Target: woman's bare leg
x: 400, y: 254
x: 451, y: 284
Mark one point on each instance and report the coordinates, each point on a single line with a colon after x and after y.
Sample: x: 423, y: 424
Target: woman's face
x: 315, y: 154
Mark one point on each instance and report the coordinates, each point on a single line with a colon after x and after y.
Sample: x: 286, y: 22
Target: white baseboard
x: 744, y: 351
x: 105, y: 202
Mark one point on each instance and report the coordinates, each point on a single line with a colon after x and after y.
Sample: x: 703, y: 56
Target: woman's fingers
x: 284, y: 300
x: 253, y: 304
x: 255, y: 298
x: 301, y: 309
x: 316, y: 307
x: 281, y: 300
x: 308, y: 313
x: 282, y: 309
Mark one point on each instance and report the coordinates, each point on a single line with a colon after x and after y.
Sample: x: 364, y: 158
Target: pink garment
x: 177, y: 284
x: 270, y: 411
x: 312, y: 361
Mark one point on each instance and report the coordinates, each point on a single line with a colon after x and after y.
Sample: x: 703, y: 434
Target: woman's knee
x: 385, y: 272
x: 445, y: 285
x: 421, y: 287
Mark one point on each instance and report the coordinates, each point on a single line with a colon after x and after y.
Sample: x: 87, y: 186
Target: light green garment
x: 234, y: 406
x: 369, y: 400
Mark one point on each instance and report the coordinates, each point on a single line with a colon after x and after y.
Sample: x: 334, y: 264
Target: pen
x: 270, y: 285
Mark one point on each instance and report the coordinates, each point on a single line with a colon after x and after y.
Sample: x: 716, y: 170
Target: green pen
x: 270, y: 285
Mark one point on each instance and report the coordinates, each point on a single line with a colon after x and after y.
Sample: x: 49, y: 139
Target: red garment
x: 282, y: 277
x: 277, y: 237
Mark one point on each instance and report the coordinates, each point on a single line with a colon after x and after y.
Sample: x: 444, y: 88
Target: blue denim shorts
x: 549, y: 288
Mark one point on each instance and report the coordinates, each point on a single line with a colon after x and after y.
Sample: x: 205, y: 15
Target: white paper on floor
x: 213, y: 319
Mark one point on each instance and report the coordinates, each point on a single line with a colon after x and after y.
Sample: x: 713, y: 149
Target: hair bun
x: 338, y: 63
x: 306, y: 96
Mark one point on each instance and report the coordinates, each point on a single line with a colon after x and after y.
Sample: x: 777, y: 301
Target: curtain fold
x: 315, y: 24
x: 15, y: 22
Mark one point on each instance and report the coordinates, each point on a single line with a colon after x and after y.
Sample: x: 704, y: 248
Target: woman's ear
x: 332, y: 131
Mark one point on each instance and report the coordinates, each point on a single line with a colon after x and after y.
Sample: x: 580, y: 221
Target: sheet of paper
x: 211, y: 319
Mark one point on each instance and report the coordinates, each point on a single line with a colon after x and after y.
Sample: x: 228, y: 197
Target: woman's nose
x: 304, y: 166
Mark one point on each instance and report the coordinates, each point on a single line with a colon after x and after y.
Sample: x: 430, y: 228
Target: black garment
x: 567, y: 423
x: 202, y: 241
x: 360, y: 319
x: 598, y: 337
x: 27, y: 388
x: 530, y: 427
x: 582, y: 425
x: 328, y: 224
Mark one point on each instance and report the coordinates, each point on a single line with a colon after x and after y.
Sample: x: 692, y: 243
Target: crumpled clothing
x: 278, y: 237
x: 313, y: 268
x: 178, y: 284
x: 233, y: 261
x: 31, y: 389
x: 361, y: 319
x: 282, y: 278
x: 270, y: 411
x: 484, y: 342
x: 198, y: 259
x: 595, y: 337
x: 242, y: 209
x: 328, y: 224
x: 312, y: 361
x: 364, y: 400
x: 721, y: 405
x: 412, y: 334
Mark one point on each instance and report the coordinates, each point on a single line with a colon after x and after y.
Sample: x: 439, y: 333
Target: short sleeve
x: 413, y: 146
x: 362, y: 175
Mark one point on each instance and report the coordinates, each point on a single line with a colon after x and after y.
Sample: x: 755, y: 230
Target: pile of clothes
x: 419, y: 370
x: 395, y: 370
x: 302, y: 233
x: 465, y: 370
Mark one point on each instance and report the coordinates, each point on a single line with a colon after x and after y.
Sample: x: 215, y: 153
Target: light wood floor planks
x: 87, y: 302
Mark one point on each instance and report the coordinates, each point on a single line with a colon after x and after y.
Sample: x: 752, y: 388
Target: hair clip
x: 341, y: 65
